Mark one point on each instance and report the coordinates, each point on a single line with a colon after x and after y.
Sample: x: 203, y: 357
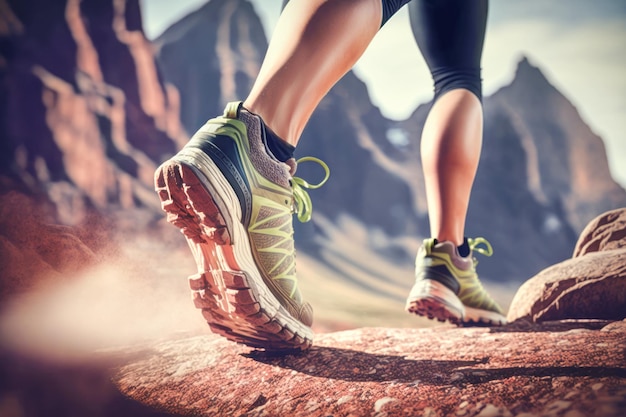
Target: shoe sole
x: 477, y: 317
x: 429, y: 298
x: 234, y: 300
x: 432, y: 299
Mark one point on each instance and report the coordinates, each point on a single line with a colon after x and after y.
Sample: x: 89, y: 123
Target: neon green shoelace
x: 303, y: 207
x: 473, y: 244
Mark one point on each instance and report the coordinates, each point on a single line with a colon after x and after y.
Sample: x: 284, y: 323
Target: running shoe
x: 447, y: 286
x: 234, y: 202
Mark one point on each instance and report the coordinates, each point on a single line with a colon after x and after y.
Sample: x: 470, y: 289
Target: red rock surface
x: 555, y: 369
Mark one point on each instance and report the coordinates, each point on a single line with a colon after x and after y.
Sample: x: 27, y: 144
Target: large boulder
x: 590, y: 285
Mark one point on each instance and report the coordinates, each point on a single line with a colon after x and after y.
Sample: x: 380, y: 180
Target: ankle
x: 274, y: 144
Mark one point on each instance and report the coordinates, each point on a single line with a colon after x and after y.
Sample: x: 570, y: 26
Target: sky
x: 580, y: 45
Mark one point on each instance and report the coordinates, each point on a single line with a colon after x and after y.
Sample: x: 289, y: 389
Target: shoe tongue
x: 458, y: 260
x: 293, y: 166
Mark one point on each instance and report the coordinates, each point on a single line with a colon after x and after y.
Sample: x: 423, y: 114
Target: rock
x: 381, y: 403
x: 605, y: 232
x: 591, y: 285
x: 587, y: 287
x: 491, y: 410
x: 616, y: 326
x: 503, y: 374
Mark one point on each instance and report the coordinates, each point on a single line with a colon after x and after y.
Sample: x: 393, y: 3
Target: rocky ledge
x: 563, y: 354
x: 563, y: 368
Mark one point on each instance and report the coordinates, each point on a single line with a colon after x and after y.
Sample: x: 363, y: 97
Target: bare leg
x: 447, y: 286
x: 450, y: 34
x: 314, y: 44
x: 451, y: 144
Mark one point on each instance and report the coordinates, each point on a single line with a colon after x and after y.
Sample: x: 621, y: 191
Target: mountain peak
x: 524, y: 64
x: 529, y: 75
x: 207, y: 16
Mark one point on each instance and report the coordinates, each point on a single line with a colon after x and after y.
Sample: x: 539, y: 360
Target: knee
x: 451, y: 78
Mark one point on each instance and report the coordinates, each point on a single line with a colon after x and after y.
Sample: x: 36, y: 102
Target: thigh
x: 449, y: 33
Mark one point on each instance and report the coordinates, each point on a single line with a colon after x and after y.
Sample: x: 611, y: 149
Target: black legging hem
x: 450, y: 34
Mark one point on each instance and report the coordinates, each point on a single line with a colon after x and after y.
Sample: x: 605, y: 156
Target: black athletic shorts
x: 450, y: 34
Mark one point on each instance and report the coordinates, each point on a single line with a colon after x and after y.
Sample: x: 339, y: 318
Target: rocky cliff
x: 85, y: 114
x: 84, y: 118
x: 212, y: 56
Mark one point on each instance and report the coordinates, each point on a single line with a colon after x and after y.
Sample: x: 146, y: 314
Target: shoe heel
x: 189, y: 206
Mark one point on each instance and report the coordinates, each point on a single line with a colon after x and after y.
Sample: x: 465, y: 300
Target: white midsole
x: 477, y: 315
x: 428, y: 288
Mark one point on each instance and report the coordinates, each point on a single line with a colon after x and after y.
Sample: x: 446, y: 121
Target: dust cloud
x: 135, y: 295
